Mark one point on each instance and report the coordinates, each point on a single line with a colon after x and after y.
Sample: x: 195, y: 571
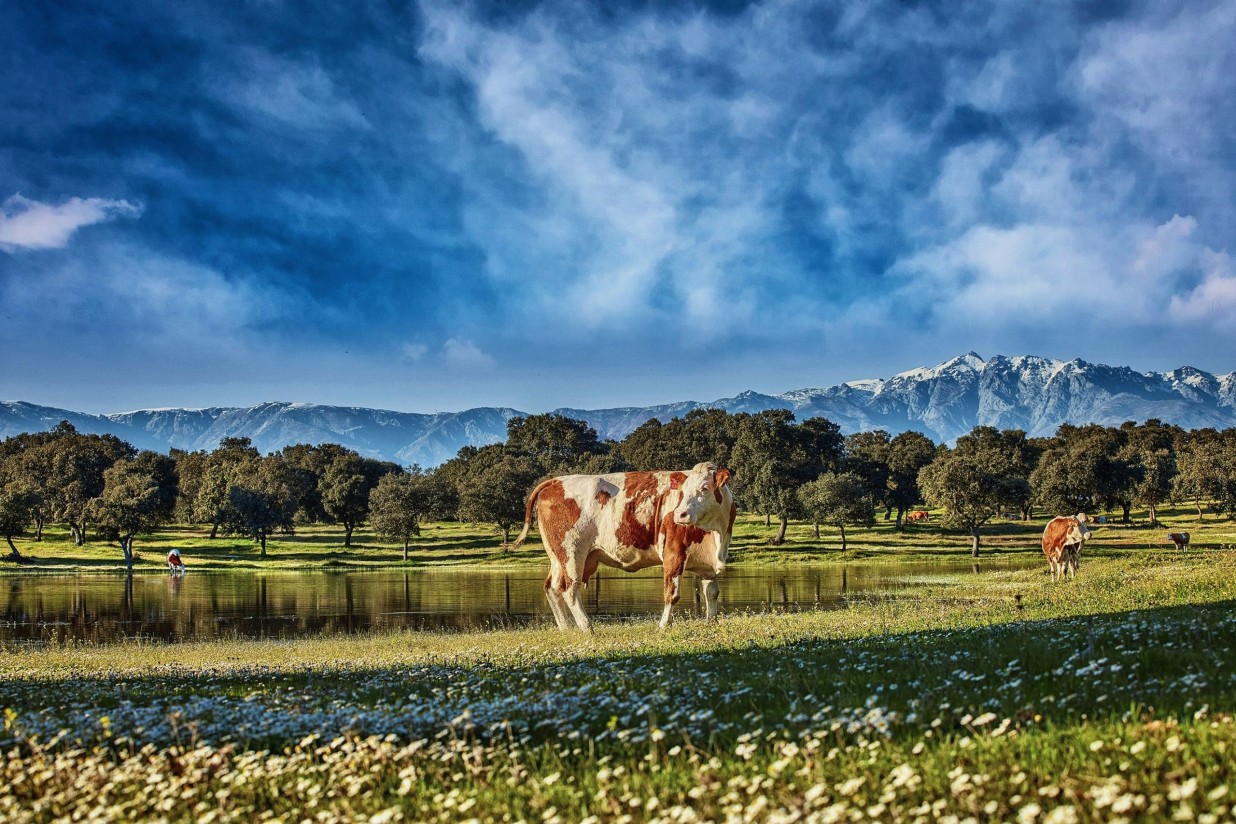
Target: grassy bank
x: 995, y: 697
x: 443, y: 544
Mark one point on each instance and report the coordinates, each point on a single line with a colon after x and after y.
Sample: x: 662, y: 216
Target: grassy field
x: 454, y: 543
x: 991, y: 697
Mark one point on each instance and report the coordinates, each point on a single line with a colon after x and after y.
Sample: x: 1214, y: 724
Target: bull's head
x: 1079, y: 532
x: 705, y: 500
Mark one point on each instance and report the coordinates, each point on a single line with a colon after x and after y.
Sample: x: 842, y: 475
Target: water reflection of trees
x: 274, y: 604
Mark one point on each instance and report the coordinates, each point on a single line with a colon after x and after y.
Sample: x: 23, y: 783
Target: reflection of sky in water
x: 283, y: 604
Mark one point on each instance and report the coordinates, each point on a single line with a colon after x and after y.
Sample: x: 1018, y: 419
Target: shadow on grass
x: 1054, y: 671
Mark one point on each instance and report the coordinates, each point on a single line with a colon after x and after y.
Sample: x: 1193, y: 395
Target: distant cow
x: 1062, y: 544
x: 174, y: 564
x: 632, y: 520
x: 918, y: 515
x: 1180, y: 539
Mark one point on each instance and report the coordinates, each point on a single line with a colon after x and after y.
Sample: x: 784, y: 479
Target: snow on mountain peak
x: 1026, y: 392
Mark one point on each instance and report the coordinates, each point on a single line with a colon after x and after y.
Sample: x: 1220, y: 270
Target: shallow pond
x: 247, y: 604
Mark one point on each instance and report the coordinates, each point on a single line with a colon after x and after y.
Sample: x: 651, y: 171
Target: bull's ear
x: 721, y: 477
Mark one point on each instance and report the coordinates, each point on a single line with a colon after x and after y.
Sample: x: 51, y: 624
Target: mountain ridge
x: 1026, y: 392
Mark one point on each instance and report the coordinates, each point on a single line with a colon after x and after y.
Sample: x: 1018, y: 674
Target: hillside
x: 1025, y: 392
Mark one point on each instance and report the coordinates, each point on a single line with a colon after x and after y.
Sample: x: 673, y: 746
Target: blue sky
x: 431, y: 206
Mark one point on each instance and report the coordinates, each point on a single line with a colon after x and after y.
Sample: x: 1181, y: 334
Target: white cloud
x: 1213, y: 300
x: 295, y: 95
x: 962, y: 188
x: 413, y: 352
x: 164, y: 301
x: 1166, y: 251
x: 807, y: 188
x: 641, y: 211
x: 464, y: 354
x: 29, y: 224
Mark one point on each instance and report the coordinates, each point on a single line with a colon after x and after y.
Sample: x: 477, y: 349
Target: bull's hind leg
x: 710, y: 590
x: 575, y: 604
x: 553, y: 594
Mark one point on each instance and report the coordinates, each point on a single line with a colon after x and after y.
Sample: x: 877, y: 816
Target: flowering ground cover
x: 993, y: 697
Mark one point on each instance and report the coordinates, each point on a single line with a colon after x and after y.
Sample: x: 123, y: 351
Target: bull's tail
x: 523, y: 536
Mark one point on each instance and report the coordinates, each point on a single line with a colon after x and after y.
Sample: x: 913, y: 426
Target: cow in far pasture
x: 918, y: 516
x: 1062, y: 544
x: 1180, y: 539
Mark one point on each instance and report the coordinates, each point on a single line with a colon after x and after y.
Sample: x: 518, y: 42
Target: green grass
x: 995, y: 697
x: 442, y: 544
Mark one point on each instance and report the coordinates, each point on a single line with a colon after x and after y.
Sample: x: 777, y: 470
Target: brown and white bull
x: 682, y: 521
x: 1062, y: 544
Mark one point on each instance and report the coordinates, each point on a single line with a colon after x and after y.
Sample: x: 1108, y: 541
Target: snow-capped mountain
x: 1025, y: 392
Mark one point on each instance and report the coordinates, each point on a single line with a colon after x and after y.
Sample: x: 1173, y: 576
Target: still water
x: 201, y: 605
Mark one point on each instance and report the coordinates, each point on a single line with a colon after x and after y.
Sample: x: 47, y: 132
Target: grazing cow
x: 1180, y: 539
x: 917, y: 515
x: 1062, y: 543
x: 629, y: 521
x: 174, y: 564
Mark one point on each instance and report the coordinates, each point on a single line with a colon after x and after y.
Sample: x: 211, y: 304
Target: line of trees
x: 784, y: 469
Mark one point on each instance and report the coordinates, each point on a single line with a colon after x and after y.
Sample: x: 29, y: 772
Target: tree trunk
x: 1154, y: 515
x: 214, y: 529
x: 126, y: 545
x: 38, y: 528
x: 262, y: 538
x: 768, y: 519
x: 888, y: 513
x: 842, y: 537
x: 347, y: 535
x: 1125, y: 518
x: 78, y: 532
x: 974, y: 546
x: 901, y: 511
x: 506, y: 537
x: 1199, y: 511
x: 785, y: 522
x: 15, y: 556
x: 405, y: 548
x: 817, y: 530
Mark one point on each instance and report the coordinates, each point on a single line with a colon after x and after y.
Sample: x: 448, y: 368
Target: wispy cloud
x: 29, y: 224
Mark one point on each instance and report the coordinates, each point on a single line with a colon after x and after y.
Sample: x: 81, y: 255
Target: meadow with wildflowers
x: 990, y: 697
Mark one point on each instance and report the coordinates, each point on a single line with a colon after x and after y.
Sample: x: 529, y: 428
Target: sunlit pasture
x: 997, y: 696
x: 451, y: 543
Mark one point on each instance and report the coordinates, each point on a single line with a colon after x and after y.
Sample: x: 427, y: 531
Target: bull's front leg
x: 673, y: 579
x: 710, y: 590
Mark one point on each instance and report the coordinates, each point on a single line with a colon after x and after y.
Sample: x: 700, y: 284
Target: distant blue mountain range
x: 1025, y: 392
